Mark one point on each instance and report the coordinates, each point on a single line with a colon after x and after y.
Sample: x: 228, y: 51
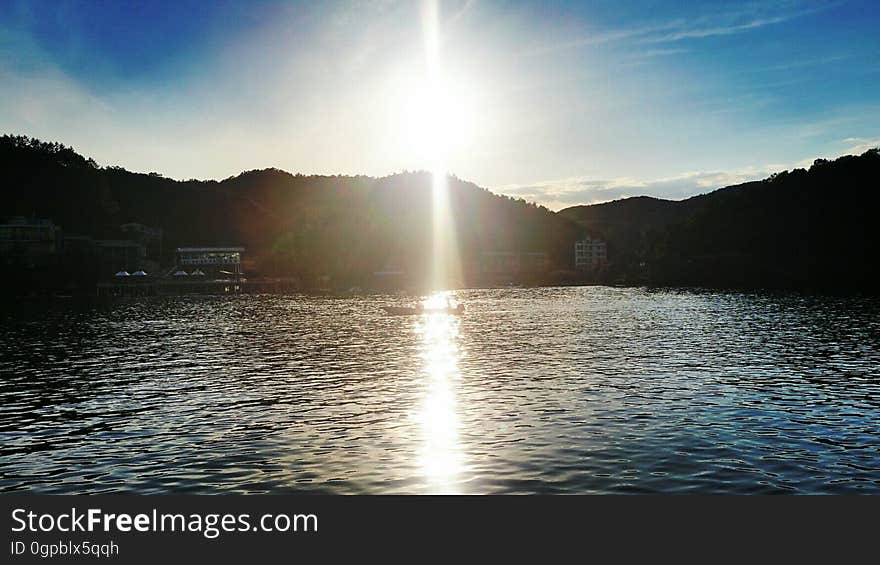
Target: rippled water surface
x: 565, y: 390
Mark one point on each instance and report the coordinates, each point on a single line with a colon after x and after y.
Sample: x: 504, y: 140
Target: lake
x: 548, y: 390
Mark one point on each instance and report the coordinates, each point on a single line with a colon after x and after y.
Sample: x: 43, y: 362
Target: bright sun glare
x: 433, y: 108
x: 438, y: 118
x: 442, y: 116
x: 441, y: 458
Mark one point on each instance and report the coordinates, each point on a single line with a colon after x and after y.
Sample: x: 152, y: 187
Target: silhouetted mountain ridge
x: 800, y: 228
x: 291, y: 224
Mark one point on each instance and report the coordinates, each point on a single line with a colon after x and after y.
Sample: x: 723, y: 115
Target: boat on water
x: 416, y: 310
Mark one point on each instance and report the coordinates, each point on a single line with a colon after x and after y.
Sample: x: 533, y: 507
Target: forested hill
x: 290, y: 224
x: 802, y: 228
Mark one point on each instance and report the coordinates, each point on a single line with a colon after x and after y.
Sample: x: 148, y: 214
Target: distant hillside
x: 803, y: 228
x: 628, y: 225
x: 346, y: 227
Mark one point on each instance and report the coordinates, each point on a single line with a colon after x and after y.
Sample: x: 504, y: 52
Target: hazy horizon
x: 561, y: 104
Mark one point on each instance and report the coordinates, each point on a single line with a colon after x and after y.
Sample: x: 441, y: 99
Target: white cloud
x: 562, y: 193
x: 574, y: 191
x: 858, y: 145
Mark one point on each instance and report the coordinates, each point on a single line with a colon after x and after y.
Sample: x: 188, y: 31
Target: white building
x: 590, y: 254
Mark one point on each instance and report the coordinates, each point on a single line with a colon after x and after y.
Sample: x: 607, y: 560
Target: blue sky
x: 559, y: 102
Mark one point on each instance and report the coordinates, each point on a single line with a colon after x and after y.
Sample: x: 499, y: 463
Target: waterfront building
x: 590, y: 254
x: 212, y: 262
x: 149, y: 237
x: 114, y: 255
x: 29, y: 242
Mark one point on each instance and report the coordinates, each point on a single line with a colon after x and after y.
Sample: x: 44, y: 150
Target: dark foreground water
x: 575, y: 390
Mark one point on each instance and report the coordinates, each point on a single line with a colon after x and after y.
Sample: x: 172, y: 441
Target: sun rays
x: 442, y: 115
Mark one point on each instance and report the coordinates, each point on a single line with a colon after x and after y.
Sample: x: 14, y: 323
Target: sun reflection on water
x: 441, y: 458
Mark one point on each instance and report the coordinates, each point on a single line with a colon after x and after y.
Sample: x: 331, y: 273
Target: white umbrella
x: 122, y: 274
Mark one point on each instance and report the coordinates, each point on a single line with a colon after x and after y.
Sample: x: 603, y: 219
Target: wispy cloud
x: 660, y: 52
x: 708, y: 25
x: 643, y: 57
x: 793, y: 64
x: 461, y: 12
x: 600, y: 37
x: 698, y: 31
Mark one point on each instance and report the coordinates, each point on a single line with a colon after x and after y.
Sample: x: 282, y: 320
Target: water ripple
x: 557, y: 390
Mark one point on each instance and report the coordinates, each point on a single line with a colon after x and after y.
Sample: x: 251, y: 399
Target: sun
x: 439, y: 119
x: 434, y: 103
